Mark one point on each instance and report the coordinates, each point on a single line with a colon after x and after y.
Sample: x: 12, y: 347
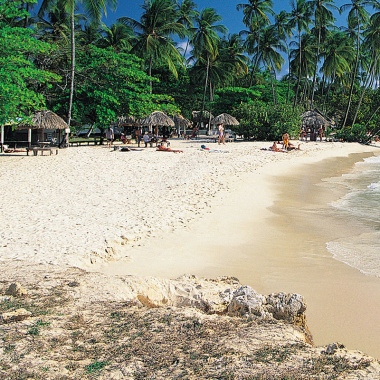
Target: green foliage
x: 95, y: 366
x: 357, y: 133
x: 110, y: 84
x: 227, y: 98
x: 262, y: 121
x: 20, y: 79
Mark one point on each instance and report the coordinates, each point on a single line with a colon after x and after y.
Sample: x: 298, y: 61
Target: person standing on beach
x: 138, y: 136
x: 221, y: 133
x: 109, y: 136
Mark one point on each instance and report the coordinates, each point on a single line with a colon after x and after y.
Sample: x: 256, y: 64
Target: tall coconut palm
x: 157, y: 24
x: 187, y: 15
x: 371, y: 44
x: 89, y: 34
x: 55, y: 26
x: 205, y: 40
x: 271, y: 47
x: 284, y: 31
x: 256, y: 18
x: 323, y: 16
x: 119, y: 37
x: 94, y: 9
x: 357, y: 15
x: 232, y: 53
x: 338, y: 52
x: 300, y: 18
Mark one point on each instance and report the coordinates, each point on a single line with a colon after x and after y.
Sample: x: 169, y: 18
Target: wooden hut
x: 180, y: 123
x: 156, y: 119
x: 313, y: 120
x: 45, y: 122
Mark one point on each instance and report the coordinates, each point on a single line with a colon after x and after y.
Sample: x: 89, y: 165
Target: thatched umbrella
x: 125, y: 121
x: 44, y: 119
x: 197, y: 116
x: 156, y: 118
x: 226, y: 119
x: 181, y: 121
x: 314, y: 118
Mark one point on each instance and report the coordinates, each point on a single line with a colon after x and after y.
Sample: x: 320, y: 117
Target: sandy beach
x: 166, y: 214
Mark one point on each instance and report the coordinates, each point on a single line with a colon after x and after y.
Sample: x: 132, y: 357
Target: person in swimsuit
x: 221, y: 134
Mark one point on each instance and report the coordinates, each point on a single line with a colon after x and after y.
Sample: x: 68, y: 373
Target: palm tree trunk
x: 299, y: 69
x: 315, y: 68
x: 353, y: 74
x: 72, y: 25
x: 150, y: 74
x: 371, y: 75
x: 205, y: 89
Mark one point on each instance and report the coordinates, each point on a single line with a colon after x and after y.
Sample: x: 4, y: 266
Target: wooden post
x: 29, y: 137
x: 2, y: 138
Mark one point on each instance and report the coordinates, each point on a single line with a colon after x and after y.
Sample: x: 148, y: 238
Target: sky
x: 231, y: 18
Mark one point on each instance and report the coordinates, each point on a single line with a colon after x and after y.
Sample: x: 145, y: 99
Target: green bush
x: 262, y: 121
x: 357, y: 133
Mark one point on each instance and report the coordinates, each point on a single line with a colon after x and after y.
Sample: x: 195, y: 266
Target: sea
x: 360, y: 208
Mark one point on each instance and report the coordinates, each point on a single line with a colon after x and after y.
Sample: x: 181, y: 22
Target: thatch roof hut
x: 41, y: 120
x: 226, y: 119
x: 157, y: 118
x: 181, y: 121
x: 125, y: 121
x: 197, y: 116
x: 315, y: 119
x: 44, y: 119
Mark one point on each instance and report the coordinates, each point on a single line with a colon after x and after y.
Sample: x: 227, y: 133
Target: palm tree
x: 205, y: 40
x: 232, y: 53
x: 90, y: 34
x: 55, y: 26
x: 322, y: 17
x: 371, y: 44
x: 357, y: 15
x: 284, y: 31
x: 120, y: 37
x: 337, y: 53
x: 300, y: 18
x: 158, y: 22
x: 187, y: 15
x: 270, y: 47
x: 256, y: 18
x: 94, y: 9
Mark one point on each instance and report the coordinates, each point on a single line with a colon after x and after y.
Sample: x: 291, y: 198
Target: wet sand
x: 275, y: 240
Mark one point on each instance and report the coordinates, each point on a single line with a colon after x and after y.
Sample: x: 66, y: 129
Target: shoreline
x: 197, y: 234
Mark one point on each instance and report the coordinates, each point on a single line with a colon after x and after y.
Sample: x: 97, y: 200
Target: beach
x: 230, y: 212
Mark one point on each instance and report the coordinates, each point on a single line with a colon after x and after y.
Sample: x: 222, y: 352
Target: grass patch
x: 95, y: 366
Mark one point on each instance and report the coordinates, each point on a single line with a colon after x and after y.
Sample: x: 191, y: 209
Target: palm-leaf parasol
x: 157, y: 118
x: 226, y: 119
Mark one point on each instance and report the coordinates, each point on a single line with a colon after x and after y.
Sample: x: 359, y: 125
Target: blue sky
x: 226, y: 8
x: 231, y: 18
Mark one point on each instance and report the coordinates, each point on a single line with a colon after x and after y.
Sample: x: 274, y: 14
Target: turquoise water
x: 360, y: 207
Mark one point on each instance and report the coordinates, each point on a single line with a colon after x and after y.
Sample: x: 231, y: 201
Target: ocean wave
x: 374, y: 186
x: 359, y: 252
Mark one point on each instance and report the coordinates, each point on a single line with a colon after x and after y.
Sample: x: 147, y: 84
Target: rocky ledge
x: 69, y: 324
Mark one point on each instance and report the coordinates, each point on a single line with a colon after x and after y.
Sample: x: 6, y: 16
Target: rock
x: 332, y: 348
x: 245, y: 301
x: 286, y: 306
x: 73, y: 284
x: 5, y: 298
x: 16, y: 290
x: 15, y: 316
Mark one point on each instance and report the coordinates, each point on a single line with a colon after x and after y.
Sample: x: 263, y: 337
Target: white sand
x: 89, y: 203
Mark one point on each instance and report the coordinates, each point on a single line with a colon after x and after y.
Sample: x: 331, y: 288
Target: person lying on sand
x: 274, y: 148
x: 293, y: 147
x: 161, y: 148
